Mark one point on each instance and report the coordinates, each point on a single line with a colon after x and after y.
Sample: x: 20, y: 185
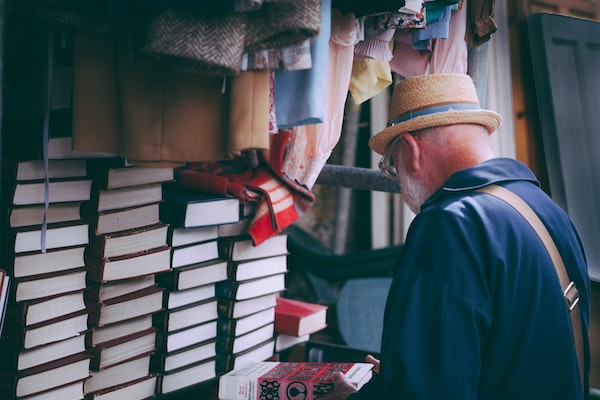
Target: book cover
x: 129, y: 266
x: 244, y: 270
x: 33, y: 215
x: 172, y: 320
x: 239, y: 326
x: 165, y: 362
x: 299, y: 318
x: 193, y: 275
x: 23, y: 240
x: 52, y: 261
x: 242, y: 290
x: 229, y: 361
x: 306, y: 380
x: 18, y: 359
x: 238, y: 344
x: 230, y: 308
x: 128, y: 197
x: 116, y: 173
x: 123, y: 349
x: 194, y: 253
x: 187, y: 376
x: 118, y: 374
x: 129, y: 306
x: 42, y: 378
x: 182, y: 236
x: 243, y: 248
x: 184, y: 209
x: 123, y: 219
x: 128, y: 242
x: 141, y: 388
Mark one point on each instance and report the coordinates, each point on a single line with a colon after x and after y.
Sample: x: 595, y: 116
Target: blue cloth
x: 475, y: 310
x: 300, y: 95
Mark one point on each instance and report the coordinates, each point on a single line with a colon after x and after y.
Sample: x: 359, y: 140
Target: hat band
x: 433, y: 110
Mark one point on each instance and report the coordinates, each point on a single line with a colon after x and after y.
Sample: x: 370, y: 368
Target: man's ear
x: 411, y: 152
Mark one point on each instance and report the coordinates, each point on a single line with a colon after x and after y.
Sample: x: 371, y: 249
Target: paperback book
x: 274, y: 379
x: 299, y: 318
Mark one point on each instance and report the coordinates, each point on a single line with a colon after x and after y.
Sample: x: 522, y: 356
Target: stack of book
x: 128, y: 247
x: 247, y: 299
x: 188, y: 323
x: 296, y: 320
x: 43, y: 341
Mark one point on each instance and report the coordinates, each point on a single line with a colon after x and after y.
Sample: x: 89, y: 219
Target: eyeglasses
x: 386, y: 164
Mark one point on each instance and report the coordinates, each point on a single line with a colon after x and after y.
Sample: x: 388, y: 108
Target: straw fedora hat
x: 433, y: 100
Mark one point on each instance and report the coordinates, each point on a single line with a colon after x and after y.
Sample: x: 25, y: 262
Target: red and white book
x: 299, y: 318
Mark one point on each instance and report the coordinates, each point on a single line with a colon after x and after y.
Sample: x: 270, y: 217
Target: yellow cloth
x: 369, y: 77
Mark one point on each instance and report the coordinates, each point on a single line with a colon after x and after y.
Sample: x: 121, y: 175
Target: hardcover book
x: 31, y: 312
x: 165, y: 362
x: 14, y: 358
x: 238, y: 344
x: 184, y: 209
x: 118, y: 374
x: 271, y: 379
x: 4, y: 296
x: 185, y: 317
x: 99, y: 335
x: 129, y: 266
x: 242, y: 290
x: 244, y: 270
x: 128, y: 242
x: 194, y: 253
x: 173, y: 341
x: 109, y: 290
x: 239, y: 326
x: 186, y: 297
x: 129, y: 306
x: 194, y: 275
x: 284, y: 342
x: 134, y: 196
x: 122, y: 349
x: 228, y: 308
x: 187, y: 376
x: 51, y: 331
x: 123, y: 219
x: 52, y: 261
x: 141, y: 388
x: 39, y: 286
x: 182, y: 236
x: 23, y: 240
x: 230, y: 361
x: 242, y: 248
x: 59, y: 191
x: 32, y: 170
x: 45, y: 377
x: 299, y: 318
x: 115, y: 173
x: 33, y: 215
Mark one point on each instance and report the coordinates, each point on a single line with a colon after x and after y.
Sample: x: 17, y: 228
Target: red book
x: 302, y: 380
x: 299, y: 318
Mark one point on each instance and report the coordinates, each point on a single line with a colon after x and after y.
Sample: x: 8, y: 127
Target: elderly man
x: 475, y: 310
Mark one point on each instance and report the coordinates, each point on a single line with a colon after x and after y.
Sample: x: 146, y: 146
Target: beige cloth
x: 157, y: 114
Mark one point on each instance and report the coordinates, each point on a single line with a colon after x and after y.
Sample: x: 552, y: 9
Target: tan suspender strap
x: 570, y: 293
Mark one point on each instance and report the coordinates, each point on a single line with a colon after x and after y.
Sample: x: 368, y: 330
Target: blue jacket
x: 475, y: 310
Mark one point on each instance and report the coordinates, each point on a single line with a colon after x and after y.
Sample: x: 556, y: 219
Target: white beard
x: 413, y: 192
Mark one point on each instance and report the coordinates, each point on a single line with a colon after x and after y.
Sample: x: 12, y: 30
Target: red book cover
x: 289, y: 380
x: 299, y: 318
